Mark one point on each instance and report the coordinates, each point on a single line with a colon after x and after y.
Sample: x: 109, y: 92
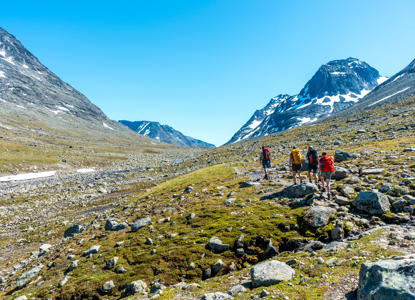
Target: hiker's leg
x: 309, y: 176
x: 301, y: 177
x: 328, y: 185
x: 295, y: 177
x: 322, y: 181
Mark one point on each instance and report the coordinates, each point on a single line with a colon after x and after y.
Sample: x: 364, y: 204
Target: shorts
x: 326, y: 175
x: 296, y: 168
x: 313, y: 169
x: 265, y: 164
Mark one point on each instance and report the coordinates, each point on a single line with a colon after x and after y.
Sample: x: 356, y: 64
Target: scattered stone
x: 236, y: 289
x: 270, y: 273
x: 92, y: 250
x: 63, y: 281
x: 191, y: 216
x: 140, y: 224
x: 216, y: 245
x: 371, y: 171
x: 111, y: 263
x: 229, y: 201
x: 373, y: 203
x: 340, y: 156
x: 299, y: 191
x: 25, y: 277
x: 107, y: 287
x: 218, y: 266
x: 318, y: 216
x: 191, y: 266
x: 72, y: 230
x: 216, y: 296
x: 135, y: 287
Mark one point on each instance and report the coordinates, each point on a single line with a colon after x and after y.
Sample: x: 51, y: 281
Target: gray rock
x: 191, y: 216
x: 229, y: 201
x: 157, y: 288
x: 74, y: 229
x: 374, y: 203
x: 340, y: 156
x: 216, y: 245
x: 191, y: 266
x: 371, y: 171
x: 149, y: 241
x: 387, y: 279
x: 120, y: 270
x: 63, y: 281
x: 25, y: 277
x: 216, y: 296
x: 348, y: 190
x: 110, y: 224
x: 299, y: 191
x: 135, y: 287
x: 140, y: 224
x: 401, y: 203
x: 92, y: 250
x: 44, y: 248
x: 21, y: 298
x: 318, y: 216
x: 111, y: 263
x: 270, y: 273
x: 342, y: 200
x: 236, y: 289
x: 335, y: 246
x: 107, y: 287
x: 340, y: 173
x: 73, y: 265
x: 218, y: 265
x: 385, y: 187
x: 410, y: 199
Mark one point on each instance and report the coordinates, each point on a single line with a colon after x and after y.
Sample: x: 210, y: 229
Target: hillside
x: 202, y: 225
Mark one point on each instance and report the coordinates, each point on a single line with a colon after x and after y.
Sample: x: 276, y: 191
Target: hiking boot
x: 328, y: 196
x: 323, y: 190
x: 311, y: 181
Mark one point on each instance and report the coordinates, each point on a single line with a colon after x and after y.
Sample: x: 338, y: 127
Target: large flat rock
x: 299, y: 191
x: 318, y: 216
x: 374, y: 203
x: 270, y: 273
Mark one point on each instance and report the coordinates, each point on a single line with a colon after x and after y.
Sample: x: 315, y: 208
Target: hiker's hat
x: 294, y: 147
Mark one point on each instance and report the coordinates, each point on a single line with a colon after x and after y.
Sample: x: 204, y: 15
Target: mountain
x: 164, y: 133
x: 31, y: 97
x: 335, y: 86
x: 399, y: 86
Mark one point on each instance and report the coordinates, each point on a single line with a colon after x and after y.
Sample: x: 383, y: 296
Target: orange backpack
x: 328, y: 163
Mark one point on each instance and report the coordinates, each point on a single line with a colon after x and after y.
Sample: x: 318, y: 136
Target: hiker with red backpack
x: 312, y: 158
x: 326, y: 171
x: 265, y: 160
x: 296, y: 164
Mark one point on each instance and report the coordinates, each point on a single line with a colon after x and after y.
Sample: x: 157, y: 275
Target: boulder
x: 140, y: 224
x: 385, y: 187
x: 216, y: 296
x: 299, y: 191
x: 340, y: 173
x: 410, y: 199
x: 111, y: 225
x: 107, y: 287
x: 135, y: 287
x: 74, y: 229
x: 387, y: 279
x: 236, y: 289
x: 111, y: 263
x: 374, y: 203
x: 342, y: 200
x: 342, y: 156
x: 44, y: 248
x: 371, y: 171
x: 25, y: 277
x: 218, y: 265
x: 92, y: 250
x: 216, y: 245
x: 270, y: 273
x: 318, y: 216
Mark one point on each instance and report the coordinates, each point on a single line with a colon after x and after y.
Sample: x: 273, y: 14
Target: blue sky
x: 204, y: 67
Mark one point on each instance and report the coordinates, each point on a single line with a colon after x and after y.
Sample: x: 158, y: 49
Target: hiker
x: 296, y: 164
x: 265, y: 160
x: 312, y: 158
x: 326, y: 170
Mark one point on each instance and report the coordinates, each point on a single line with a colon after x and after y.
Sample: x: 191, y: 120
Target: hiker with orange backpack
x: 296, y: 164
x: 326, y: 171
x: 265, y: 160
x: 312, y: 158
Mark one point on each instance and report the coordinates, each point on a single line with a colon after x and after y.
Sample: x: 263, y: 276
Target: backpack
x: 313, y: 157
x: 328, y: 163
x: 265, y: 154
x: 297, y: 159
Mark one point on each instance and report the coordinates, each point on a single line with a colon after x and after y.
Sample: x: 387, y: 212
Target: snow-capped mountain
x: 335, y: 86
x: 399, y: 86
x: 164, y: 133
x: 32, y: 96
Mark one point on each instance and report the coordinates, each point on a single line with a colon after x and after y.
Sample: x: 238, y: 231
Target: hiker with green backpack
x: 265, y: 160
x: 326, y: 171
x: 296, y: 164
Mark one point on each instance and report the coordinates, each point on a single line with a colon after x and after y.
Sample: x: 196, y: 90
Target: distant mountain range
x: 335, y: 86
x: 164, y: 133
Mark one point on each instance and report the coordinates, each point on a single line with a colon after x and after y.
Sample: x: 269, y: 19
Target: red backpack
x: 265, y: 154
x: 328, y: 163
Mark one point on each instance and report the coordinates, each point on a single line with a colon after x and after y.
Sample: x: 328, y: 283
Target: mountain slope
x: 164, y: 133
x: 31, y: 96
x: 399, y: 86
x: 335, y: 86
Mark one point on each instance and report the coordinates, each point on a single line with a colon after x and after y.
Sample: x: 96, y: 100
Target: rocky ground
x: 173, y: 223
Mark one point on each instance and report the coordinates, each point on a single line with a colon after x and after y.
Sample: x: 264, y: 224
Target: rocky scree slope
x: 31, y: 97
x: 335, y: 86
x: 206, y: 234
x: 164, y: 133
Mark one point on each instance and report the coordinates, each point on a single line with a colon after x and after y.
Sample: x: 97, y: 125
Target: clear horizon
x: 204, y: 67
